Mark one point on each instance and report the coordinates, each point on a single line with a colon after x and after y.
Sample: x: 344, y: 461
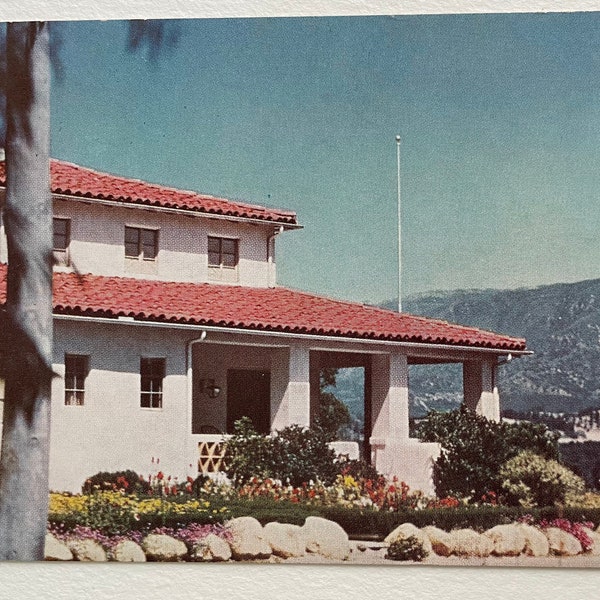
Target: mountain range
x: 561, y: 323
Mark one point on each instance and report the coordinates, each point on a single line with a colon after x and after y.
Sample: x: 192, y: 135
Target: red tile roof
x: 262, y: 309
x: 73, y: 180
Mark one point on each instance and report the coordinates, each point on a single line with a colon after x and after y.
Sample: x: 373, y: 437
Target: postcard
x: 324, y: 293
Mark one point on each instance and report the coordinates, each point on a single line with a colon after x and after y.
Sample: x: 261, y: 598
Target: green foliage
x: 294, y: 455
x: 333, y: 415
x: 409, y: 548
x: 531, y: 480
x: 303, y: 455
x: 359, y: 469
x: 128, y: 480
x: 474, y: 449
x: 110, y: 518
x: 249, y: 453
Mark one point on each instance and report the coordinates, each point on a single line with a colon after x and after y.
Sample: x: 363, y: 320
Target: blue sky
x: 499, y: 117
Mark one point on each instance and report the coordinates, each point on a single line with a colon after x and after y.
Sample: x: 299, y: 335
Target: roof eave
x: 515, y: 353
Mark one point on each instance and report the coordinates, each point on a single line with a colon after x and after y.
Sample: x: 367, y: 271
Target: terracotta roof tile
x: 73, y: 180
x: 264, y: 309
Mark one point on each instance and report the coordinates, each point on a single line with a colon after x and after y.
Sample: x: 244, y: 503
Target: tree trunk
x: 28, y: 220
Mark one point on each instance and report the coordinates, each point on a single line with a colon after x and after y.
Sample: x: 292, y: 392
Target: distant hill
x: 561, y: 323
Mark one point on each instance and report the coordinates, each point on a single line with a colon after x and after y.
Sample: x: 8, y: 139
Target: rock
x: 211, y: 548
x: 87, y: 550
x: 56, y: 550
x: 441, y: 541
x: 128, y: 551
x: 536, y: 543
x: 508, y: 540
x: 248, y: 539
x: 470, y: 543
x: 326, y: 538
x: 563, y: 543
x: 286, y: 540
x: 163, y: 548
x: 595, y: 537
x: 406, y: 530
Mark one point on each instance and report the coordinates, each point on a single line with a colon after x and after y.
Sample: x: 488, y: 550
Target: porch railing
x: 211, y: 453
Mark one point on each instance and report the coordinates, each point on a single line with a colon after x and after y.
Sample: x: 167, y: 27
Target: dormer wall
x: 97, y: 245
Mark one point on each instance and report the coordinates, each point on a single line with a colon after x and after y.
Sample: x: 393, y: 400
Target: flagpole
x: 399, y: 229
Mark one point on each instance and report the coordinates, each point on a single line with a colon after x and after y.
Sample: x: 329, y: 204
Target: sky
x: 499, y: 117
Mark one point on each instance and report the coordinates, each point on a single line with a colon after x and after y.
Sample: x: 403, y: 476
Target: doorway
x: 249, y: 395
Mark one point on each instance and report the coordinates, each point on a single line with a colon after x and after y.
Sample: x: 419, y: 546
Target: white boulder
x: 536, y: 543
x: 87, y: 550
x: 563, y: 543
x: 286, y: 540
x: 326, y: 538
x: 163, y: 548
x: 595, y: 537
x: 470, y: 543
x: 441, y: 541
x: 248, y: 539
x: 56, y: 550
x: 128, y: 551
x: 211, y: 548
x: 508, y: 540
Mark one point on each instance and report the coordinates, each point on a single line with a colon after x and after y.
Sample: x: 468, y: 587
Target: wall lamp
x: 208, y: 387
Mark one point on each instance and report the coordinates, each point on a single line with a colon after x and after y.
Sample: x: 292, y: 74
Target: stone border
x: 321, y: 540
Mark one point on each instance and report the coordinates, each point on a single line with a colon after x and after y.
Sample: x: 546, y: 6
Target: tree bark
x: 28, y: 367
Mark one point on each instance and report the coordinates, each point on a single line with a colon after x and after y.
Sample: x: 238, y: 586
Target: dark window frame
x: 77, y: 368
x: 61, y: 250
x: 152, y: 375
x: 220, y: 256
x: 138, y: 246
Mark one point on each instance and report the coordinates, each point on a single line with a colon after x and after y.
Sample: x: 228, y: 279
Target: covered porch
x: 274, y: 380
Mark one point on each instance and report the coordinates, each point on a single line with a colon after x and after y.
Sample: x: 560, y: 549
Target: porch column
x: 298, y: 390
x: 389, y: 400
x: 480, y: 391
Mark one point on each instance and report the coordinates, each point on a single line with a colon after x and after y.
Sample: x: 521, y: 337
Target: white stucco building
x: 163, y: 295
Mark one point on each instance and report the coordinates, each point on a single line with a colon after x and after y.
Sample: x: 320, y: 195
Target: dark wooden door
x: 249, y: 395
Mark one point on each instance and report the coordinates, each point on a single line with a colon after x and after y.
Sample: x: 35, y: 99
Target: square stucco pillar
x: 393, y: 453
x: 389, y: 396
x: 298, y: 389
x: 480, y: 391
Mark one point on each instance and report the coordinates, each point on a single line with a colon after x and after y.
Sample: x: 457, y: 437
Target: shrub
x: 359, y: 469
x: 531, y: 480
x: 294, y: 455
x: 128, y: 480
x: 409, y: 548
x: 474, y: 449
x: 302, y: 455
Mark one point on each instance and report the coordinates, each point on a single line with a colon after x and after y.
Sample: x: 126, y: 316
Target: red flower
x: 160, y: 476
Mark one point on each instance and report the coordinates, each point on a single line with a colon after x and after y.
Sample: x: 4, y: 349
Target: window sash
x: 223, y: 252
x: 61, y: 234
x: 152, y: 374
x: 76, y: 371
x: 141, y: 243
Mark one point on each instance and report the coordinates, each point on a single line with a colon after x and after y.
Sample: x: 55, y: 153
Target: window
x: 61, y: 240
x: 76, y: 370
x: 222, y: 252
x: 152, y: 372
x: 141, y: 243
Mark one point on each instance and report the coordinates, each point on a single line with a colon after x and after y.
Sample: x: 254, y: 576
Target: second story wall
x: 96, y: 237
